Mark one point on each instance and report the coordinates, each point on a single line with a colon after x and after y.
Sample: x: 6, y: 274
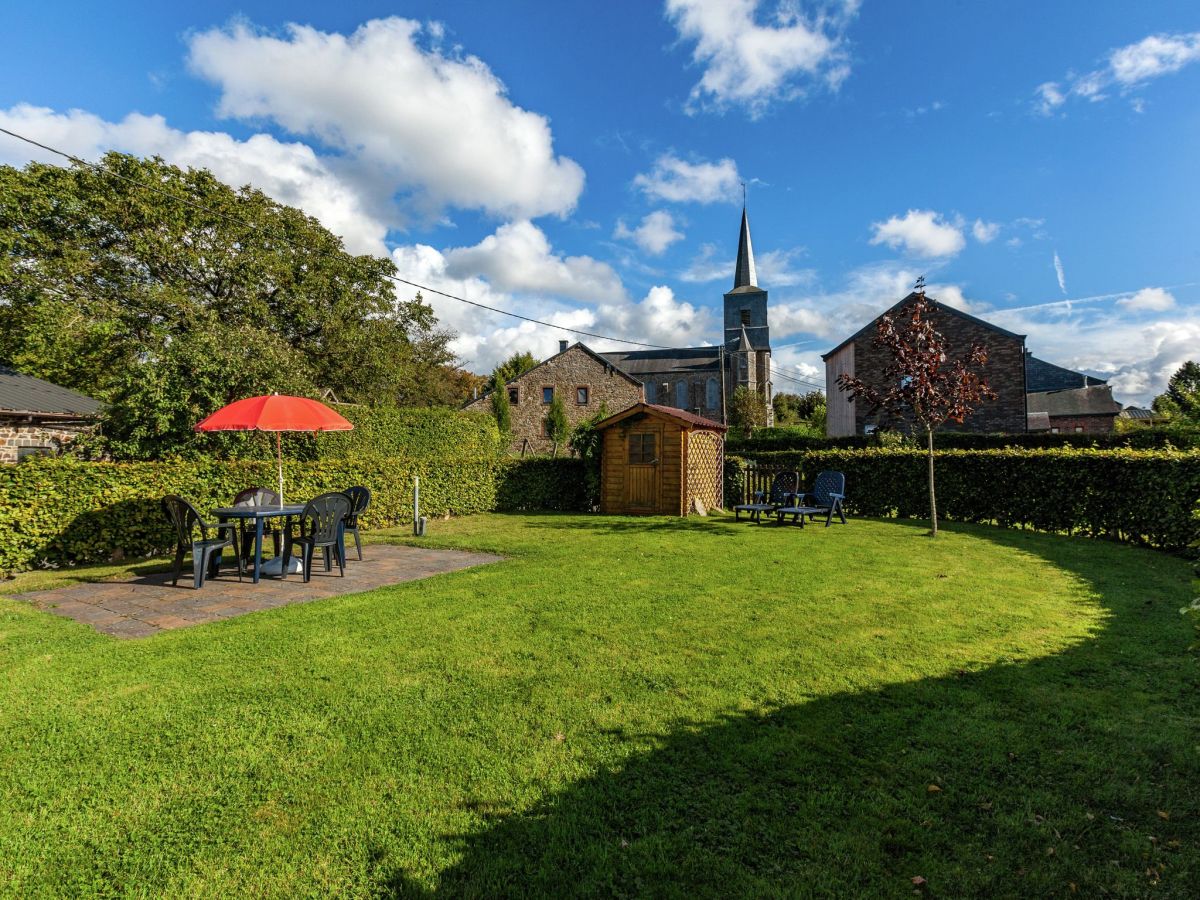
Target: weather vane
x: 919, y: 287
x: 743, y: 193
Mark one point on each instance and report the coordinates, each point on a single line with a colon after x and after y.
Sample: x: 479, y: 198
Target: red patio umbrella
x: 277, y: 413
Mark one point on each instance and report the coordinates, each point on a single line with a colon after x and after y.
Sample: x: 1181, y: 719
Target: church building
x: 702, y: 380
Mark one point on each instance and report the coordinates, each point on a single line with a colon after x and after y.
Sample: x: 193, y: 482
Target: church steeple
x: 743, y: 273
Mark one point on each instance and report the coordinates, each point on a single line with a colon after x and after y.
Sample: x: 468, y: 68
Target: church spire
x: 743, y: 273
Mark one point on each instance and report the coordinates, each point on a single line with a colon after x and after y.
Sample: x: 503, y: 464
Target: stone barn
x: 656, y: 460
x: 38, y: 417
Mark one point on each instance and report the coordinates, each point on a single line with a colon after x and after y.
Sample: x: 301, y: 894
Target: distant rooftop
x: 1045, y: 376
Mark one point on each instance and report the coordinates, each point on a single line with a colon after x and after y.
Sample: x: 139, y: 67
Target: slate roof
x: 24, y: 394
x: 1081, y: 401
x: 680, y: 415
x: 938, y: 305
x: 685, y: 360
x: 1044, y: 376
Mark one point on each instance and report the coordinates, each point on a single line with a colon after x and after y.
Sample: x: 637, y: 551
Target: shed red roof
x: 670, y: 412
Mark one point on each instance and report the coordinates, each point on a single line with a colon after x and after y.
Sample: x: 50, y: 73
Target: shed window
x: 712, y: 394
x: 547, y: 395
x: 681, y: 395
x: 581, y: 395
x: 641, y: 449
x: 513, y: 396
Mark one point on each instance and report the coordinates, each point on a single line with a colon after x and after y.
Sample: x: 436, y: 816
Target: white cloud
x: 920, y: 232
x: 654, y: 235
x: 1125, y: 69
x: 409, y: 117
x: 985, y: 232
x: 1148, y: 300
x: 1060, y: 273
x: 518, y: 257
x: 678, y: 181
x: 583, y: 299
x: 751, y: 60
x: 289, y: 172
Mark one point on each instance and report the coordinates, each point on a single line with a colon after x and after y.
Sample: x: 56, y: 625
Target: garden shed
x: 656, y: 460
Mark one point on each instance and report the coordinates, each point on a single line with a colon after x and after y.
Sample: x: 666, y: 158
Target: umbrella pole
x: 279, y: 460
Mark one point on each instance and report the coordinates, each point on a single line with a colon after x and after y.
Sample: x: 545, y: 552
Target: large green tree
x: 1182, y: 397
x: 513, y: 367
x: 169, y: 300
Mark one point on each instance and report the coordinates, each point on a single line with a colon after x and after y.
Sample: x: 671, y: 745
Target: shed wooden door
x: 643, y: 469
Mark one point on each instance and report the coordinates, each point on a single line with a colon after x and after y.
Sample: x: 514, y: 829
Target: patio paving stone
x: 148, y: 605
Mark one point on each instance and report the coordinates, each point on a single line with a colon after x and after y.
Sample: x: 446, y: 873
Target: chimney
x: 562, y: 346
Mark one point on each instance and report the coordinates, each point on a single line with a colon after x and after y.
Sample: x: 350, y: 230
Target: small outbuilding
x: 656, y: 460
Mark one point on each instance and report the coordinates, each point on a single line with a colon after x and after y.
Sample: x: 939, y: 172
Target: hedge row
x: 421, y: 433
x: 70, y: 511
x: 64, y: 510
x: 1141, y: 496
x: 779, y: 439
x: 542, y: 483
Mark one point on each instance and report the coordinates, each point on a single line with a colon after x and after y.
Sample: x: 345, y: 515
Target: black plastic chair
x: 783, y: 486
x: 360, y: 499
x: 320, y: 526
x: 826, y: 498
x: 206, y: 552
x: 257, y: 496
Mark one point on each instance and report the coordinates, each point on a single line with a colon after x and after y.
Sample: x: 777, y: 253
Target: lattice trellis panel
x: 706, y: 463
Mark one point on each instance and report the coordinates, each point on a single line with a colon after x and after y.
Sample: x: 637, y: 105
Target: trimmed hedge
x: 65, y: 510
x: 422, y: 433
x: 766, y: 440
x: 1140, y: 496
x: 70, y: 511
x: 539, y: 482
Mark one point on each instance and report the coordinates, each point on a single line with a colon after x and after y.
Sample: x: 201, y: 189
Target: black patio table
x: 259, y: 514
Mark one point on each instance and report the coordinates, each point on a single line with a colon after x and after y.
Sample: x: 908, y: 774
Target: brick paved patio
x: 148, y: 605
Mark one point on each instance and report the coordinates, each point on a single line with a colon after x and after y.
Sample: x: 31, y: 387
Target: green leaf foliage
x: 413, y: 433
x: 167, y: 304
x: 1140, y: 496
x: 539, y: 482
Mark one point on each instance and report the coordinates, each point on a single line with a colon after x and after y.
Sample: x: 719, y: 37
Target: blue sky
x: 581, y: 163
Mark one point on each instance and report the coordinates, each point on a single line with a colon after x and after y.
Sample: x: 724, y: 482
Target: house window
x: 513, y: 396
x: 641, y: 449
x: 745, y: 317
x: 681, y: 395
x: 651, y: 393
x: 1054, y: 431
x: 581, y: 395
x: 547, y: 395
x: 23, y: 452
x: 1078, y: 428
x: 712, y: 394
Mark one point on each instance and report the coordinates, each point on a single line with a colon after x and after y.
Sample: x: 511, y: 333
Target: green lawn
x: 630, y: 707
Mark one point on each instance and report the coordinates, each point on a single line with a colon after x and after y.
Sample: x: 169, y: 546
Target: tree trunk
x: 932, y: 494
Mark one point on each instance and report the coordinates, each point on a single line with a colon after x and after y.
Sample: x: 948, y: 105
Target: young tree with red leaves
x: 924, y: 387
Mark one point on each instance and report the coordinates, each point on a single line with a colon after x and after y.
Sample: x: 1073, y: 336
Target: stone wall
x: 566, y: 372
x: 18, y: 436
x: 1005, y: 372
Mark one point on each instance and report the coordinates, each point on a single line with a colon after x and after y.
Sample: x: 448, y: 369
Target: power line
x: 421, y: 287
x: 787, y: 376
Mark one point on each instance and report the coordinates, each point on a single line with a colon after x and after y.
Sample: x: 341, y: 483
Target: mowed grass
x: 629, y: 707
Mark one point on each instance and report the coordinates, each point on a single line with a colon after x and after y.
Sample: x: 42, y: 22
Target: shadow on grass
x: 1076, y: 772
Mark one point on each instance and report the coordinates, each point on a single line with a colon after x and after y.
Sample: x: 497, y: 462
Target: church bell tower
x: 747, y: 335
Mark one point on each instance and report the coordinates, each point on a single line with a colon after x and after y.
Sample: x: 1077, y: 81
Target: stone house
x: 1005, y: 372
x: 586, y: 382
x: 38, y: 417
